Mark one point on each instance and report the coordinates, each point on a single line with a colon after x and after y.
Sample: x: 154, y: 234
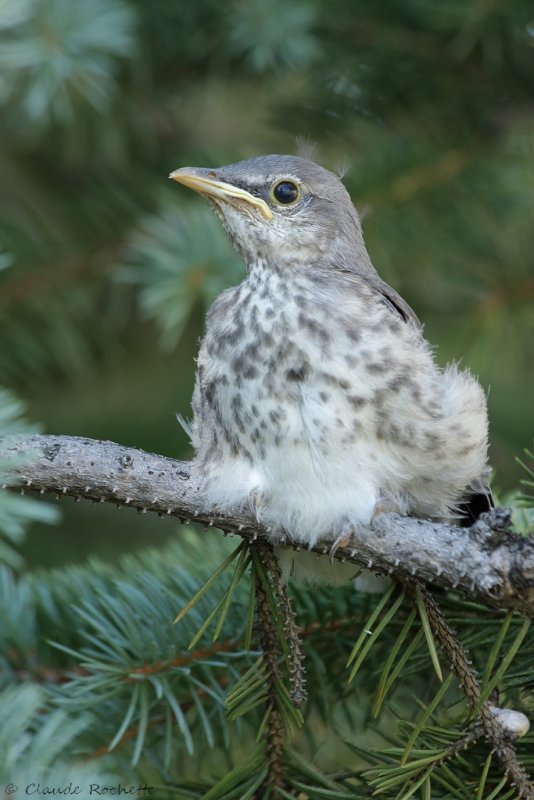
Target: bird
x: 318, y: 403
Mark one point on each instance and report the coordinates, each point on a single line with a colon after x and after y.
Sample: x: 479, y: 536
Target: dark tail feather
x: 474, y: 506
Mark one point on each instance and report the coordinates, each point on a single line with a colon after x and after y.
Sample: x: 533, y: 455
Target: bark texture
x: 486, y: 561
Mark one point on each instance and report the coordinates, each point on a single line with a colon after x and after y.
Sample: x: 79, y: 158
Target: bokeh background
x: 106, y: 268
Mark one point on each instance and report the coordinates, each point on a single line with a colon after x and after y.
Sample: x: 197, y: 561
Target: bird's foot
x: 256, y: 501
x: 343, y: 540
x: 383, y: 507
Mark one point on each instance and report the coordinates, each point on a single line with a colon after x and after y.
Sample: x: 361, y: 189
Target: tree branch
x: 486, y: 561
x: 497, y: 733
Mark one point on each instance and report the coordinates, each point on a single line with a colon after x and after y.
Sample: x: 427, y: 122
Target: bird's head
x: 285, y: 211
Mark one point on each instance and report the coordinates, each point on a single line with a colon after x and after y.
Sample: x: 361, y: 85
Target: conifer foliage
x: 259, y: 690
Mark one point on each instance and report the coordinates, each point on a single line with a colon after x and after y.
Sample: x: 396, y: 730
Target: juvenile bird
x: 317, y: 400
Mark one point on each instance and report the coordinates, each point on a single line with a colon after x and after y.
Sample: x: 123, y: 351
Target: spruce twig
x: 270, y: 644
x: 495, y: 733
x: 292, y: 631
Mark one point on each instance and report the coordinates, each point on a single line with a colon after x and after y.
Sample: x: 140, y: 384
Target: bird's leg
x: 383, y: 507
x: 348, y: 529
x: 256, y: 501
x: 342, y: 540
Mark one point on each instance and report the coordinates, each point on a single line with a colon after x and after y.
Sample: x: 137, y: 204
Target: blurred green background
x: 106, y: 268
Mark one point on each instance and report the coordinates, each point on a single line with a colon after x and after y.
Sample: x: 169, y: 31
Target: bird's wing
x: 396, y: 302
x: 388, y: 296
x: 478, y: 502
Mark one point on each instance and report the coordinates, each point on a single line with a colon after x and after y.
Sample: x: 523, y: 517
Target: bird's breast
x: 279, y: 372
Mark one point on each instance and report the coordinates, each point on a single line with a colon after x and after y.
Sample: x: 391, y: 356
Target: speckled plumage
x: 317, y: 399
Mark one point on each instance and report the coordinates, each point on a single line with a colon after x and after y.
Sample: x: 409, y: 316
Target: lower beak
x: 200, y: 181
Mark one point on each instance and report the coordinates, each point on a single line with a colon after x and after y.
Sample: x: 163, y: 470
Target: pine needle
x: 426, y: 715
x: 403, y: 660
x: 504, y: 665
x: 369, y: 624
x: 392, y: 659
x: 249, y: 691
x: 483, y: 778
x: 207, y: 622
x: 127, y: 718
x: 243, y: 780
x: 371, y: 639
x: 209, y: 583
x: 494, y: 654
x: 247, y: 642
x: 428, y: 632
x: 242, y: 564
x: 412, y: 790
x: 495, y: 792
x: 143, y: 724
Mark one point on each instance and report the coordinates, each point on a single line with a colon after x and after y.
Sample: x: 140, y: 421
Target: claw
x: 256, y: 501
x: 383, y: 507
x: 343, y: 540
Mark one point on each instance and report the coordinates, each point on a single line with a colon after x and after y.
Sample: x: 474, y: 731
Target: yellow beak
x: 199, y: 180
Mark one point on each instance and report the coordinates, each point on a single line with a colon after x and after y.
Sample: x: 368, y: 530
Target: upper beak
x: 201, y: 180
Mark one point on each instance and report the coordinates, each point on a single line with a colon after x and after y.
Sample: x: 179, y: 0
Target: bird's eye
x: 286, y: 192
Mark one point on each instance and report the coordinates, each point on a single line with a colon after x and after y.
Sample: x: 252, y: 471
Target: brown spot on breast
x: 317, y: 330
x: 356, y: 401
x: 209, y: 392
x: 415, y: 391
x: 333, y: 381
x: 396, y: 383
x: 297, y: 373
x: 250, y: 371
x: 377, y: 367
x: 467, y: 449
x: 393, y: 325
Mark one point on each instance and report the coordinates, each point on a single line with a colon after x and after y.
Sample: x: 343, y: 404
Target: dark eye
x: 286, y: 192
